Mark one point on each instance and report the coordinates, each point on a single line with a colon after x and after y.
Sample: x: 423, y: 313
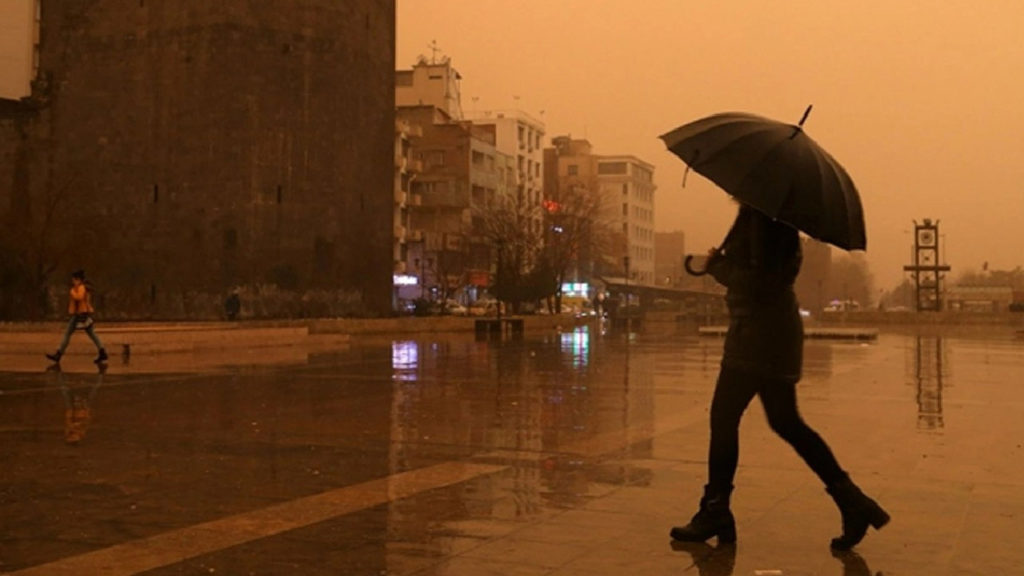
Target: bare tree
x: 445, y: 267
x: 850, y: 279
x: 577, y: 238
x: 509, y: 225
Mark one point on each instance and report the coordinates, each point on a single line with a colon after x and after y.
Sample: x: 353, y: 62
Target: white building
x: 626, y: 185
x: 519, y: 136
x: 434, y: 84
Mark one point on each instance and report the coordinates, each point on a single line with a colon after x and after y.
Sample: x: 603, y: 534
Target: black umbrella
x: 776, y: 168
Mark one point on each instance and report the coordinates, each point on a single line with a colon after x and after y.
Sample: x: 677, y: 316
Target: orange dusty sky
x: 920, y: 101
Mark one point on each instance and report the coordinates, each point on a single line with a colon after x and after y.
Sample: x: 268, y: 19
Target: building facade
x: 627, y: 185
x: 459, y: 176
x: 624, y: 188
x: 470, y: 165
x: 434, y: 84
x: 407, y: 168
x: 178, y: 149
x: 519, y: 136
x: 669, y: 254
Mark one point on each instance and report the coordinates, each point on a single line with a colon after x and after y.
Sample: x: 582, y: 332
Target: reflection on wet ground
x: 560, y: 453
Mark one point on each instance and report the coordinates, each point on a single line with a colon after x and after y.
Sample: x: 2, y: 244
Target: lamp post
x: 625, y: 307
x: 497, y: 276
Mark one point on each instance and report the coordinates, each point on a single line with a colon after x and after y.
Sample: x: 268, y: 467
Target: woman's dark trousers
x: 733, y: 393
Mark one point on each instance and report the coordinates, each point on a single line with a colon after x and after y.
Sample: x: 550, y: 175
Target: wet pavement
x: 557, y: 454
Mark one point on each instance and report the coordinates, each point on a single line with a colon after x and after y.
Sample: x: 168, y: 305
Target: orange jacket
x: 81, y: 300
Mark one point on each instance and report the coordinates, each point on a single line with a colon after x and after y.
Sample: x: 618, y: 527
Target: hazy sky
x: 15, y: 47
x: 920, y: 101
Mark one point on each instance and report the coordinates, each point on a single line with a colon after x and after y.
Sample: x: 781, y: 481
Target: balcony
x: 404, y: 164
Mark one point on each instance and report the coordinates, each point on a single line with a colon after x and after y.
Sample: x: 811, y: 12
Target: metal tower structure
x: 928, y: 273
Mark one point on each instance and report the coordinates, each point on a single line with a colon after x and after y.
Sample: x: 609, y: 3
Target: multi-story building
x: 461, y: 174
x: 178, y: 149
x: 467, y: 165
x: 669, y: 253
x: 570, y: 175
x: 519, y: 136
x: 624, y: 187
x: 430, y: 84
x: 406, y: 170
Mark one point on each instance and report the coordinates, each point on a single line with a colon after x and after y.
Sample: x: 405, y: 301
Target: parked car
x: 454, y: 308
x: 484, y: 307
x: 842, y: 306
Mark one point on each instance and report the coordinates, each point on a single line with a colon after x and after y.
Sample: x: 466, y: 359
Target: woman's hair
x: 80, y: 274
x: 761, y: 241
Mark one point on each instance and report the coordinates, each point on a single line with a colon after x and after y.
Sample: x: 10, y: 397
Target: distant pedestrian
x: 763, y: 356
x: 80, y: 311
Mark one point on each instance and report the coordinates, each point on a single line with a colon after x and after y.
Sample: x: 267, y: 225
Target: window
x: 434, y: 158
x: 573, y: 169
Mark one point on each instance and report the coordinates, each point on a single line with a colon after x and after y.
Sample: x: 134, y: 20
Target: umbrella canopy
x: 776, y: 168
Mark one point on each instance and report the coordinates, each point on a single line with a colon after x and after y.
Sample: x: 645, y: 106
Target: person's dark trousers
x: 733, y: 393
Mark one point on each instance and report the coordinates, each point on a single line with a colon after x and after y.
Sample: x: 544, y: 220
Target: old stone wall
x: 195, y: 146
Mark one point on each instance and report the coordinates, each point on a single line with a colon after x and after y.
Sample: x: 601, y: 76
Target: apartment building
x: 459, y: 175
x: 434, y: 84
x: 519, y: 136
x: 624, y: 187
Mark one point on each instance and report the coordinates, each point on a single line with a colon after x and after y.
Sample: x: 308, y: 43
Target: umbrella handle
x: 690, y: 270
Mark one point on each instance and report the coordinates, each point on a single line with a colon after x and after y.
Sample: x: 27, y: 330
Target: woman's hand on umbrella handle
x: 690, y: 270
x: 713, y: 254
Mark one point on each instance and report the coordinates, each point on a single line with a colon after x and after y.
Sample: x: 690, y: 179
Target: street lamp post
x: 497, y: 276
x: 625, y: 307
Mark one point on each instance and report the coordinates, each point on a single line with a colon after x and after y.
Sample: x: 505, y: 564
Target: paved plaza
x: 564, y: 452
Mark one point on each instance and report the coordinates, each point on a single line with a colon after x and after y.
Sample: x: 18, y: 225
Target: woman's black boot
x: 858, y: 512
x: 712, y: 519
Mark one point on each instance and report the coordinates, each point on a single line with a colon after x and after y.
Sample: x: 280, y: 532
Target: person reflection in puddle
x: 763, y: 356
x: 710, y: 561
x: 77, y: 405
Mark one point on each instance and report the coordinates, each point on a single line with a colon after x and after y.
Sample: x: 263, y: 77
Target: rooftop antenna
x: 433, y: 51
